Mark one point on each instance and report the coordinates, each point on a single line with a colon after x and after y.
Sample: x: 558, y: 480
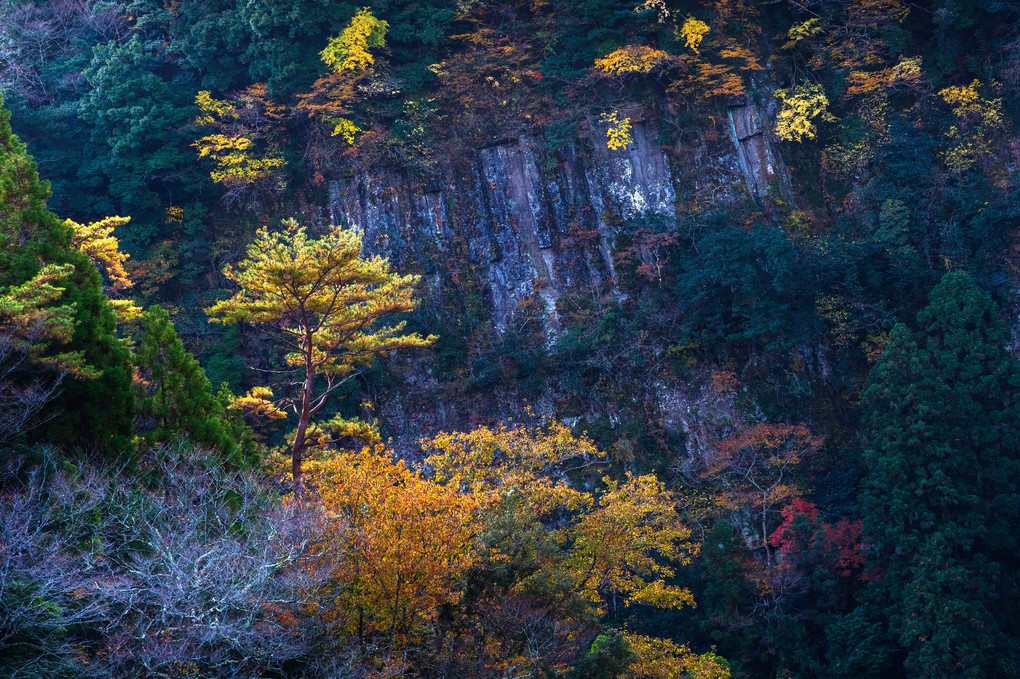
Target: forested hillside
x: 560, y: 339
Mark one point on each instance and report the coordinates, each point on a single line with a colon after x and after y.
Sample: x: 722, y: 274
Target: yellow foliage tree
x: 665, y: 659
x: 802, y: 31
x: 244, y: 144
x: 619, y: 545
x: 489, y: 463
x: 96, y: 240
x: 618, y: 131
x: 235, y: 163
x: 350, y: 59
x: 634, y: 59
x: 801, y: 106
x: 629, y: 544
x: 319, y: 299
x: 259, y: 403
x: 351, y: 50
x: 977, y: 120
x: 693, y: 32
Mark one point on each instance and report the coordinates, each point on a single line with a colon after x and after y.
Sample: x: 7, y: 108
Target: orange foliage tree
x: 398, y: 545
x: 491, y: 538
x: 754, y: 469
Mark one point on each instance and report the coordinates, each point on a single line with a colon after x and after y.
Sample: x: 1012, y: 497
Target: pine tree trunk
x: 302, y: 428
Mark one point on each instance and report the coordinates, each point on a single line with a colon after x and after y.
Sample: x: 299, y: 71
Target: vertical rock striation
x: 540, y: 222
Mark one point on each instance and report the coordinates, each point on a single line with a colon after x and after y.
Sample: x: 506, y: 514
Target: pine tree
x: 326, y: 305
x: 942, y: 491
x: 95, y: 407
x: 176, y: 399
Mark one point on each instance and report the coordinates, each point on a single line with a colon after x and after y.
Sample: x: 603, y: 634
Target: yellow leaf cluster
x: 232, y: 146
x: 126, y: 310
x: 639, y: 59
x: 342, y: 127
x: 259, y: 403
x: 618, y: 131
x: 234, y: 162
x: 743, y: 54
x: 350, y: 51
x: 970, y: 139
x: 490, y: 462
x: 801, y: 106
x: 693, y: 32
x: 803, y: 30
x: 968, y: 102
x: 96, y: 240
x: 665, y: 659
x: 663, y: 12
x: 213, y: 109
x: 174, y: 214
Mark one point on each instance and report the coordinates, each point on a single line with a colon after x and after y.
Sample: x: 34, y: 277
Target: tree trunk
x: 299, y: 436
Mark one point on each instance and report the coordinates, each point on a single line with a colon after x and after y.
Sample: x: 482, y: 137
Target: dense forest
x: 551, y: 339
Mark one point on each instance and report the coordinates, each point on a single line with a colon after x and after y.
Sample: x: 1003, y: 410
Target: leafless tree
x: 33, y: 34
x: 202, y: 570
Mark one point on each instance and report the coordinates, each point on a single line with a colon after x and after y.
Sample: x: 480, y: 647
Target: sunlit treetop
x: 490, y: 462
x: 350, y: 51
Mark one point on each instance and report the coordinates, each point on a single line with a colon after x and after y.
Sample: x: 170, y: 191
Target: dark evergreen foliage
x: 90, y: 411
x: 940, y: 497
x: 176, y: 399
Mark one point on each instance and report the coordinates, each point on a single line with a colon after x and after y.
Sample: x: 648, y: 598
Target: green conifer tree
x: 94, y: 409
x: 941, y: 497
x: 176, y: 399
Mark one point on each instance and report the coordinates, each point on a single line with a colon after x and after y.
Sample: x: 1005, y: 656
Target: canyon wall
x: 536, y: 223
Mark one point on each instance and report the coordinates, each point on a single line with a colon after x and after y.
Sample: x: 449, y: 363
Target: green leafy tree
x: 608, y: 657
x: 94, y: 407
x: 176, y: 398
x: 940, y: 497
x: 319, y: 299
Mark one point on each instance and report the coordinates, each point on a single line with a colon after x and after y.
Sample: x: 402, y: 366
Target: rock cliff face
x: 761, y: 166
x: 543, y: 222
x: 536, y: 224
